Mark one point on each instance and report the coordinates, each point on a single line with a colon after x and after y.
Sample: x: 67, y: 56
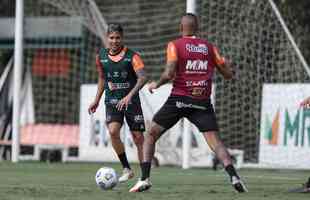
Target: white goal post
x: 18, y: 67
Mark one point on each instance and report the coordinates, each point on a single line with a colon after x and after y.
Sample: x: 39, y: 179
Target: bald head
x: 189, y: 24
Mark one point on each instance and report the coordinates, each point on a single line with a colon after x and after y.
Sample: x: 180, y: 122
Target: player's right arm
x: 100, y: 87
x: 222, y: 65
x: 170, y: 69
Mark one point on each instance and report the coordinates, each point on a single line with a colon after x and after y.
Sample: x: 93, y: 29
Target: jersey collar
x: 190, y: 36
x: 117, y: 53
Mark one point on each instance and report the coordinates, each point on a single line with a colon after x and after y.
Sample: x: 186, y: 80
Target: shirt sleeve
x: 137, y: 62
x: 219, y: 60
x: 171, y: 52
x: 99, y: 66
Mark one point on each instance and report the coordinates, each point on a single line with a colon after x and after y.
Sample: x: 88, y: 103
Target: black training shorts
x: 199, y: 112
x: 133, y: 114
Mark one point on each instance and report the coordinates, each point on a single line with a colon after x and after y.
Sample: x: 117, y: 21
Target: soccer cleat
x: 238, y: 185
x: 127, y: 174
x: 141, y: 186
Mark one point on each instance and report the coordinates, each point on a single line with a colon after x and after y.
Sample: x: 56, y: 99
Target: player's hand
x: 152, y: 86
x: 123, y: 103
x: 305, y: 103
x: 93, y: 107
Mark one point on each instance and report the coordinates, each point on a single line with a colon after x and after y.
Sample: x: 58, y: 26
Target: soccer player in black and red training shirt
x: 191, y: 62
x: 121, y: 76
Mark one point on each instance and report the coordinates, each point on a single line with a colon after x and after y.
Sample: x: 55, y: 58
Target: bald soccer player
x: 191, y: 62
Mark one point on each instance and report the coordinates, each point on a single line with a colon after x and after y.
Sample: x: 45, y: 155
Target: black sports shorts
x: 199, y: 112
x: 133, y: 114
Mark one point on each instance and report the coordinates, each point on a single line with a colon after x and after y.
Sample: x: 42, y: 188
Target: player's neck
x: 115, y: 52
x: 189, y: 36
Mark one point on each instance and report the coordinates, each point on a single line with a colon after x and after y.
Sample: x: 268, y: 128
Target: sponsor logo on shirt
x: 117, y: 86
x: 138, y: 118
x: 200, y: 48
x: 196, y: 66
x: 124, y: 74
x: 202, y: 83
x: 115, y: 74
x: 180, y: 104
x: 198, y: 91
x: 113, y: 101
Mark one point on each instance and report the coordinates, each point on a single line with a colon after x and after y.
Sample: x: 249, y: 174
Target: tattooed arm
x: 142, y: 79
x: 165, y: 77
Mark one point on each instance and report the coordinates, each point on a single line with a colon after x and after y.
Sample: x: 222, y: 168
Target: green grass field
x: 75, y: 181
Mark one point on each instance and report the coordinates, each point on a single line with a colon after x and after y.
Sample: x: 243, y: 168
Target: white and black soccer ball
x: 106, y: 178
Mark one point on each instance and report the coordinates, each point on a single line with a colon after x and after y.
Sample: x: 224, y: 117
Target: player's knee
x: 152, y: 137
x: 138, y: 139
x: 114, y: 133
x: 154, y: 133
x: 155, y: 130
x: 149, y: 140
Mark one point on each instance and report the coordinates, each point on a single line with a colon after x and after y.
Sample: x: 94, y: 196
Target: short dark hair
x: 193, y: 16
x: 115, y: 27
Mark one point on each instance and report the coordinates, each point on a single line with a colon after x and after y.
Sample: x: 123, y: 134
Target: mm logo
x: 272, y: 129
x: 295, y: 129
x: 197, y: 65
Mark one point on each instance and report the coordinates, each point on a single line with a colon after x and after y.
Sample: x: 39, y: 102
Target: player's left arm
x: 138, y: 66
x: 141, y: 80
x: 222, y: 65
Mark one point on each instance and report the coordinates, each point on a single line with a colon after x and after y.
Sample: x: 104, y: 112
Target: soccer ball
x: 106, y: 178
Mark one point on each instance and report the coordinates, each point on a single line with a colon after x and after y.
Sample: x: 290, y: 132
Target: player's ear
x: 197, y: 25
x: 181, y: 27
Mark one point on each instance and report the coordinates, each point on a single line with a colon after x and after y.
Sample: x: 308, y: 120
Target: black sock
x: 231, y: 171
x: 145, y: 169
x: 308, y: 183
x: 123, y: 158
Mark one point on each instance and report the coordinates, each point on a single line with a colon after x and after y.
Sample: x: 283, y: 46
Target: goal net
x: 63, y: 36
x: 250, y: 34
